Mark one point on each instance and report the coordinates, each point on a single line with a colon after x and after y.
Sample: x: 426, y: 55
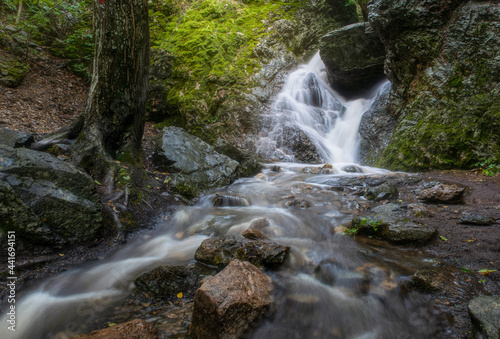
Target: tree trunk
x: 115, y: 112
x: 19, y: 11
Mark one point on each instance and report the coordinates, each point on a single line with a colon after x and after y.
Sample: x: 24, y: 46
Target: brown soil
x: 51, y: 97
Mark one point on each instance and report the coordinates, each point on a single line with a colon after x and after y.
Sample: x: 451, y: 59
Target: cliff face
x: 444, y: 65
x: 216, y: 63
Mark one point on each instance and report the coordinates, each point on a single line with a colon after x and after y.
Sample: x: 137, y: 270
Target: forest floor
x: 51, y: 97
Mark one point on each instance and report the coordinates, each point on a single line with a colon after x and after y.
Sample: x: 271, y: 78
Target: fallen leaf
x: 179, y: 295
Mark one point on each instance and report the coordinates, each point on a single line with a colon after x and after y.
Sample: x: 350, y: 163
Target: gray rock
x: 46, y: 200
x: 354, y: 58
x: 447, y: 194
x: 485, y: 313
x: 15, y: 139
x: 221, y: 251
x: 385, y: 191
x: 168, y: 281
x: 476, y: 219
x: 192, y: 161
x: 249, y: 162
x: 376, y: 127
x: 389, y: 222
x: 227, y: 303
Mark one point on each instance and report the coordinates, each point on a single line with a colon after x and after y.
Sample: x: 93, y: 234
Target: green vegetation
x: 369, y: 226
x: 489, y: 166
x: 64, y: 26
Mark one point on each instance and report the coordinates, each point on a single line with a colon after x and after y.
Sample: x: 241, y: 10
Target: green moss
x: 187, y: 190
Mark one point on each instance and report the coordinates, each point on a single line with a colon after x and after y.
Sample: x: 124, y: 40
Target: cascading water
x: 308, y: 105
x: 332, y: 285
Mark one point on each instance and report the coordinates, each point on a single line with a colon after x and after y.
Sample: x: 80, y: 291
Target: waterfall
x: 308, y: 109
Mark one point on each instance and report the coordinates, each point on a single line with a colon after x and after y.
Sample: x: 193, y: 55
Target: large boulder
x: 221, y: 251
x: 227, y: 303
x: 15, y: 139
x: 354, y: 58
x: 46, y: 200
x: 135, y: 329
x: 442, y: 60
x: 12, y: 71
x: 249, y: 162
x: 485, y: 313
x: 192, y: 161
x: 376, y: 127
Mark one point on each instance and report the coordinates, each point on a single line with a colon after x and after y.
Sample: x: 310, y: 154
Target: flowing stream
x: 333, y: 286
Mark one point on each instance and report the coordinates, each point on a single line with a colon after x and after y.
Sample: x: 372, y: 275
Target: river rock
x: 485, y: 313
x: 476, y: 219
x: 15, y: 139
x: 46, y: 200
x: 168, y: 281
x: 386, y: 191
x: 447, y: 194
x: 192, y: 161
x: 135, y: 329
x: 376, y: 127
x: 354, y: 58
x: 254, y: 234
x: 12, y: 71
x: 229, y: 200
x: 227, y: 303
x: 389, y: 222
x: 442, y: 60
x: 221, y: 251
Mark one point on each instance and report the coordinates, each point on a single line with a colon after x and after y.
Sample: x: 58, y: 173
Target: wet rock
x: 221, y: 251
x: 249, y: 162
x: 390, y: 223
x: 276, y: 168
x: 299, y: 203
x: 254, y: 234
x: 386, y: 191
x: 330, y: 273
x: 352, y: 169
x: 46, y: 200
x: 229, y: 200
x: 476, y: 219
x: 168, y: 281
x: 325, y: 169
x: 376, y: 127
x: 12, y: 71
x: 354, y: 58
x: 485, y: 313
x: 192, y: 161
x: 227, y: 303
x: 427, y: 281
x: 135, y: 329
x: 447, y: 194
x: 15, y: 139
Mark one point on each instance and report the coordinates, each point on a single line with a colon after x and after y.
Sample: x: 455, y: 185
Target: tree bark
x: 115, y: 113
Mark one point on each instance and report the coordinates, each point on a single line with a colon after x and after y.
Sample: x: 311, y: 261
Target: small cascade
x: 307, y: 109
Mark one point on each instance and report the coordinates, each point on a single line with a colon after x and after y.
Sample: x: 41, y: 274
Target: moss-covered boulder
x: 46, y: 200
x: 216, y: 63
x: 12, y: 71
x: 442, y: 59
x: 354, y: 58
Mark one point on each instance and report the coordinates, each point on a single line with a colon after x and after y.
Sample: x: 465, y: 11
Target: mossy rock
x: 12, y: 71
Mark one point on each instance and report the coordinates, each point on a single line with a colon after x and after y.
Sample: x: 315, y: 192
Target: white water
x: 309, y: 105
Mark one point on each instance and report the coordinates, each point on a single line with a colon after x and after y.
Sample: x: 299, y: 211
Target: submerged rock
x: 229, y: 200
x: 221, y: 251
x: 135, y: 329
x: 15, y: 139
x: 46, y: 200
x: 448, y: 194
x: 168, y: 281
x: 476, y: 219
x: 192, y: 161
x: 354, y: 58
x: 226, y: 304
x: 485, y: 313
